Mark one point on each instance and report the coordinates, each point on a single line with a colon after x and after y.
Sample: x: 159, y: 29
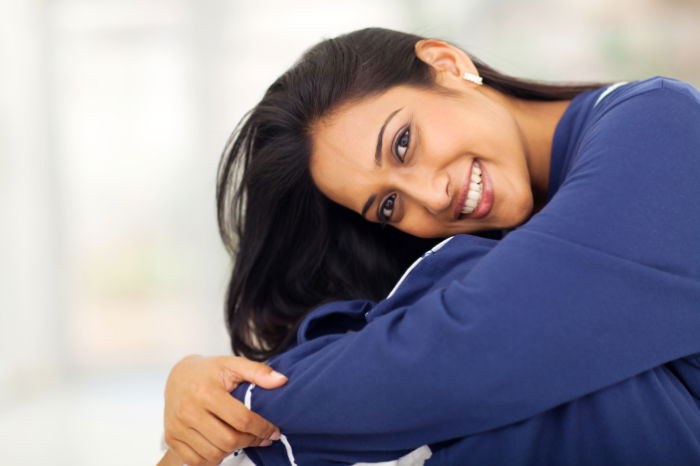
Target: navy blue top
x: 575, y: 340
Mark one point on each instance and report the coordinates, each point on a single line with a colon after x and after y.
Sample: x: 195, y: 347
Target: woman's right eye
x: 387, y: 208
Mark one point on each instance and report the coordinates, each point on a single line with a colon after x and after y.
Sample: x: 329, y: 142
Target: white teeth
x: 475, y: 190
x: 473, y: 199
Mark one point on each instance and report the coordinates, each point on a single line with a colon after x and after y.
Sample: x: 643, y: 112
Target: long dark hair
x: 293, y: 248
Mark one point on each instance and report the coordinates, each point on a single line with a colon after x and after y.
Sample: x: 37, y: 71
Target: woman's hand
x: 203, y: 422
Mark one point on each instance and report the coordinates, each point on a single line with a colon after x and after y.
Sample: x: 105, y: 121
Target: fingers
x: 196, y: 449
x: 187, y: 454
x: 251, y: 371
x: 204, y: 448
x: 186, y: 441
x: 203, y: 422
x: 225, y: 438
x: 236, y: 415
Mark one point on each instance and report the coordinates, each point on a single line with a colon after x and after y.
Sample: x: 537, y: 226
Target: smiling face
x: 431, y: 147
x: 431, y: 163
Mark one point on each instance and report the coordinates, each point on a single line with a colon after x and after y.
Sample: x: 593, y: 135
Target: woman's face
x: 411, y: 158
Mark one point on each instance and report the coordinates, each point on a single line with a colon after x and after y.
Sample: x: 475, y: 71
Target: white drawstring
x: 417, y: 261
x: 608, y: 91
x: 248, y: 396
x: 247, y: 400
x: 288, y: 448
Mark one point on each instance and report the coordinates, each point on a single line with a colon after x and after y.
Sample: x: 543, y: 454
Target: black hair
x: 293, y: 248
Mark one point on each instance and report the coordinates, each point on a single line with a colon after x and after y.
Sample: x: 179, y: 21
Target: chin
x: 525, y: 215
x: 520, y: 214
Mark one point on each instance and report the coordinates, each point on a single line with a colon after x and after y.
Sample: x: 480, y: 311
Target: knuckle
x: 268, y: 430
x: 256, y: 441
x: 212, y: 453
x: 245, y: 423
x: 246, y: 441
x: 201, y: 393
x: 184, y: 412
x: 239, y: 444
x: 230, y: 441
x: 234, y: 442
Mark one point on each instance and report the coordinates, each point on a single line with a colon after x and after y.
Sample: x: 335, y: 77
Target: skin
x: 512, y: 140
x: 203, y: 423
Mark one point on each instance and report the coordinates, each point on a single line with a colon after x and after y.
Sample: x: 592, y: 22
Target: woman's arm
x: 482, y: 353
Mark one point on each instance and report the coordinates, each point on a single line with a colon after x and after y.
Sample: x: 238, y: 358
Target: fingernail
x: 276, y: 435
x: 266, y: 443
x: 277, y: 375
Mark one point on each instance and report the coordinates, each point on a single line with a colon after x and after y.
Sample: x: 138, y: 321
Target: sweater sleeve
x: 601, y: 285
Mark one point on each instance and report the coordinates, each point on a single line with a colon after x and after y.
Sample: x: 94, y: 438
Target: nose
x: 428, y: 189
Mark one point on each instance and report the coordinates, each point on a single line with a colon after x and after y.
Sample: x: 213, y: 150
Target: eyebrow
x: 378, y: 156
x: 369, y: 202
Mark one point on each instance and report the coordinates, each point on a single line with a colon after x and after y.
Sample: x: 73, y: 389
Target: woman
x: 602, y: 266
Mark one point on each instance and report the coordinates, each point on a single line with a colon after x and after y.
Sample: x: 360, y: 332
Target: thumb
x: 258, y: 373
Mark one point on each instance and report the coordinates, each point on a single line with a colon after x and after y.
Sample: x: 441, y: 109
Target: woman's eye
x: 401, y: 144
x: 387, y: 208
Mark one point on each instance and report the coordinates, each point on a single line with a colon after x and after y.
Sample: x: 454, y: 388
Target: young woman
x: 592, y: 299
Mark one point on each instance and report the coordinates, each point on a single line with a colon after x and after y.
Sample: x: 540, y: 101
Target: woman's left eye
x: 401, y: 144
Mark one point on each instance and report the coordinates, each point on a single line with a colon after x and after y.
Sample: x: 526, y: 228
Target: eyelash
x: 388, y: 203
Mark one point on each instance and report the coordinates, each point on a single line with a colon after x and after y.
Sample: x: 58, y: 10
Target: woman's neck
x: 537, y: 121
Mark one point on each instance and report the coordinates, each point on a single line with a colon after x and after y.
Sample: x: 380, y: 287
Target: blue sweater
x: 575, y: 340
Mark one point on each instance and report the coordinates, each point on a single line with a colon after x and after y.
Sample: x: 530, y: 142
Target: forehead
x: 363, y: 116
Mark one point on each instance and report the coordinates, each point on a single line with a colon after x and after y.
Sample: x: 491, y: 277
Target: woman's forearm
x: 484, y: 352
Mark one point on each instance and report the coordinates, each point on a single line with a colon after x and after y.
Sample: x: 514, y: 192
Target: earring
x: 475, y: 78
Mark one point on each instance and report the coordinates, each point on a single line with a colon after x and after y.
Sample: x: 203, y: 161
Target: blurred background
x: 113, y: 114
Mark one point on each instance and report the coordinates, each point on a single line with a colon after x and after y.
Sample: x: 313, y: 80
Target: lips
x: 476, y: 195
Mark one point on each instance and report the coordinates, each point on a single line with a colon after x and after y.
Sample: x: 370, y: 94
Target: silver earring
x: 475, y: 78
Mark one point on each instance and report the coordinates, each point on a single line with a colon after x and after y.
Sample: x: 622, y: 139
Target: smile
x: 474, y: 192
x: 476, y: 196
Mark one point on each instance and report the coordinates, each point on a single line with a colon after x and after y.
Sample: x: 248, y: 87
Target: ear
x: 448, y: 61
